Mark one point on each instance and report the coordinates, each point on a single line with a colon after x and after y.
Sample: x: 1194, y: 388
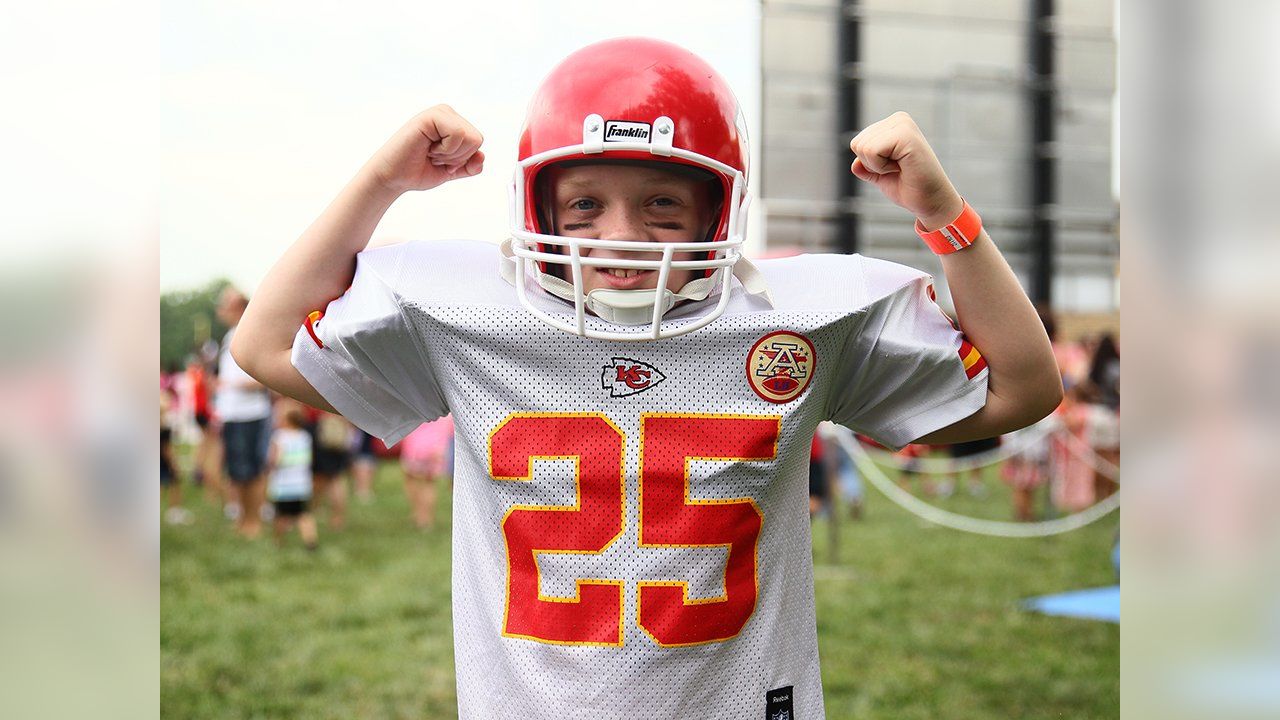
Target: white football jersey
x: 631, y: 530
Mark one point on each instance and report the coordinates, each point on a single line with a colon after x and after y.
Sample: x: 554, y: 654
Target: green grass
x: 913, y: 621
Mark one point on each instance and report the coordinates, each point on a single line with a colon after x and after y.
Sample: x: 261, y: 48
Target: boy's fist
x: 894, y: 156
x: 436, y: 146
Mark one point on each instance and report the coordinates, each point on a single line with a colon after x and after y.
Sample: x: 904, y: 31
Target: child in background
x: 845, y: 470
x: 966, y: 469
x: 207, y: 467
x: 1073, y: 482
x: 1103, y: 390
x: 330, y: 461
x: 175, y: 514
x: 818, y: 486
x: 289, y: 462
x: 423, y: 458
x: 364, y: 465
x: 1026, y: 470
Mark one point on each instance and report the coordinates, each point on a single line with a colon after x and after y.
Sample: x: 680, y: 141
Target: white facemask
x: 636, y: 307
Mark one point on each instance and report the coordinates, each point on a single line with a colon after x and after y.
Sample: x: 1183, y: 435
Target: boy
x: 632, y: 424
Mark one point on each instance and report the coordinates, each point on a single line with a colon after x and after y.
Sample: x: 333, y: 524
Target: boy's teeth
x: 623, y: 273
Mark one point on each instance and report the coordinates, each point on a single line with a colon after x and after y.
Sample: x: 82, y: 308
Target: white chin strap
x: 628, y: 307
x: 635, y: 307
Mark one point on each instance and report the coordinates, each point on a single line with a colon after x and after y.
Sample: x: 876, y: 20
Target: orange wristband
x: 955, y: 235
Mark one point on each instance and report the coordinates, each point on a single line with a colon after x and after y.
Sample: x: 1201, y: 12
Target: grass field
x: 914, y: 621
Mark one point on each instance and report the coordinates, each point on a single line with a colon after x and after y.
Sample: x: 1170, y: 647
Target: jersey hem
x: 969, y: 400
x: 312, y: 363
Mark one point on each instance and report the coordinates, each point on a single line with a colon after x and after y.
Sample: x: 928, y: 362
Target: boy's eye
x: 583, y: 204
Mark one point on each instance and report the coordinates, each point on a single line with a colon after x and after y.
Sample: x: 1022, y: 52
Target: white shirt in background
x: 235, y: 403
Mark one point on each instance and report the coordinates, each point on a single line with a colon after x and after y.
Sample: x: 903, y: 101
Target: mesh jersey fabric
x: 622, y: 552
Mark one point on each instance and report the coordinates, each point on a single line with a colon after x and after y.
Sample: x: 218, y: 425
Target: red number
x: 594, y: 616
x: 668, y: 517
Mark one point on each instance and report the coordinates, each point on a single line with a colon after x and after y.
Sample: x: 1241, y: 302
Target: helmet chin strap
x: 627, y: 307
x: 635, y: 307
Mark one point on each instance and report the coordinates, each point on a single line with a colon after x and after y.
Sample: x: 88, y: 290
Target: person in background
x: 244, y: 406
x: 908, y: 459
x: 1026, y: 470
x: 289, y: 462
x: 844, y: 469
x: 1104, y: 418
x: 364, y: 465
x: 423, y: 458
x: 329, y: 464
x: 207, y: 463
x: 818, y: 485
x: 962, y: 455
x: 1072, y: 487
x: 1071, y: 357
x: 1028, y: 467
x: 174, y: 513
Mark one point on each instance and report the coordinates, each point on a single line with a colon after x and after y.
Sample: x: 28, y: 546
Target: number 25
x: 668, y: 518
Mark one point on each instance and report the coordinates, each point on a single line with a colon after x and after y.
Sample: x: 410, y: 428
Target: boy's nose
x: 622, y: 224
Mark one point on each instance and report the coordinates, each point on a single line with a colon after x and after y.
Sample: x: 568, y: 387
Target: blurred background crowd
x: 221, y: 441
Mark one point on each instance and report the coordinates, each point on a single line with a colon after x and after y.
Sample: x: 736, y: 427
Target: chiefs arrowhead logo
x: 780, y: 366
x: 628, y: 377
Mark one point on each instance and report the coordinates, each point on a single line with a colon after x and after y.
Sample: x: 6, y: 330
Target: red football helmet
x: 630, y: 99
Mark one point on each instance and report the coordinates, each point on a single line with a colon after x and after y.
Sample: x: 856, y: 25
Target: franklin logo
x: 628, y: 377
x: 780, y: 366
x: 623, y: 131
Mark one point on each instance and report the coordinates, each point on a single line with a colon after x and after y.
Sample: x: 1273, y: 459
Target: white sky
x: 76, y: 131
x: 268, y: 108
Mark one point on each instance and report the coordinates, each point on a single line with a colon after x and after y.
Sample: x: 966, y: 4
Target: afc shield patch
x: 780, y: 366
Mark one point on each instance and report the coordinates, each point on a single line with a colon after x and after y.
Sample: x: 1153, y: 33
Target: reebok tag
x: 777, y: 704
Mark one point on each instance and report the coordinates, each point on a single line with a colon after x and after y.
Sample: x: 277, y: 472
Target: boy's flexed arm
x: 436, y: 146
x: 994, y: 312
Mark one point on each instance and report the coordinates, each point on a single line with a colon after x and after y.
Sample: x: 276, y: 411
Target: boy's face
x: 636, y: 203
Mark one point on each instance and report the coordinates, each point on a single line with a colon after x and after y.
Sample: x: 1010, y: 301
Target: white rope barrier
x: 872, y: 472
x: 1014, y: 445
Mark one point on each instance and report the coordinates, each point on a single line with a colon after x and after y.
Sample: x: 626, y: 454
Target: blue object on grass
x: 1095, y: 604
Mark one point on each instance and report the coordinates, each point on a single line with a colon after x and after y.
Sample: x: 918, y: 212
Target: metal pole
x: 1042, y: 82
x: 847, y: 74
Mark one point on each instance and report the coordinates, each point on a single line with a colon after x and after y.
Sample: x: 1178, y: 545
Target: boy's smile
x: 635, y: 203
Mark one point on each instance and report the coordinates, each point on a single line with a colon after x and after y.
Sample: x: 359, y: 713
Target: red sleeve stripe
x: 972, y: 359
x: 972, y: 371
x: 314, y: 318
